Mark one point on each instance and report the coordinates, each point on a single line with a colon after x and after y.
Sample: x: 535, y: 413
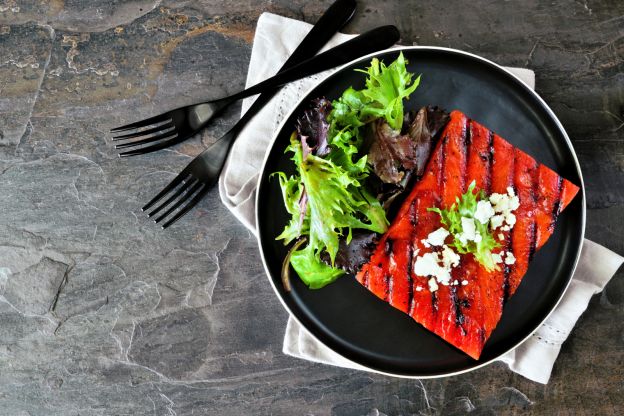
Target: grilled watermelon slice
x: 466, y: 315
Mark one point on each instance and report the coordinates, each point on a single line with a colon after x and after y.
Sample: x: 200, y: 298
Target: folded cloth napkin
x: 275, y: 39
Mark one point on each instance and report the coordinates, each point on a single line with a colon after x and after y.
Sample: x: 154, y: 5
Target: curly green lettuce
x: 336, y: 203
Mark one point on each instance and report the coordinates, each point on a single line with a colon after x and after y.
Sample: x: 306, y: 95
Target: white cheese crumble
x: 510, y: 258
x: 437, y: 265
x: 449, y: 257
x: 455, y: 282
x: 425, y: 243
x: 484, y: 211
x: 428, y: 265
x: 496, y: 221
x: 419, y: 288
x: 468, y: 230
x: 437, y: 237
x: 501, y: 236
x: 497, y: 258
x: 464, y: 282
x: 433, y: 286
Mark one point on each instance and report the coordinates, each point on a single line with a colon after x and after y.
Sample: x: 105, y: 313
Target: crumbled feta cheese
x: 510, y: 191
x: 510, y: 219
x: 437, y: 237
x: 469, y: 229
x: 514, y: 203
x: 425, y: 243
x: 426, y: 265
x: 433, y: 286
x: 419, y: 288
x: 464, y: 282
x: 478, y: 238
x: 509, y: 258
x: 496, y: 221
x: 505, y: 228
x: 455, y: 282
x: 497, y: 258
x: 496, y: 198
x: 449, y: 257
x: 503, y: 205
x: 501, y: 236
x: 483, y: 212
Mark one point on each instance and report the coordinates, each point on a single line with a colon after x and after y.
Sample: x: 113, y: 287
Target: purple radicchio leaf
x: 312, y: 128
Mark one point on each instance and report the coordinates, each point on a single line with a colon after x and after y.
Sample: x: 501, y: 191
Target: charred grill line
x: 389, y: 284
x: 410, y: 281
x: 388, y: 246
x: 490, y: 159
x: 442, y: 161
x: 535, y: 195
x: 506, y: 284
x: 533, y: 242
x: 481, y: 332
x: 434, y: 301
x: 459, y: 315
x: 413, y: 213
x: 466, y: 139
x: 557, y: 205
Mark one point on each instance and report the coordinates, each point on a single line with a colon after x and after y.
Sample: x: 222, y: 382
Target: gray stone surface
x: 102, y: 313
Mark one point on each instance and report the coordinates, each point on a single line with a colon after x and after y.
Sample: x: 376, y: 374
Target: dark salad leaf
x: 396, y: 155
x: 352, y: 256
x: 313, y: 126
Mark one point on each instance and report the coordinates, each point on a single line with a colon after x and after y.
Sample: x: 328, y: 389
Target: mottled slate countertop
x: 102, y: 313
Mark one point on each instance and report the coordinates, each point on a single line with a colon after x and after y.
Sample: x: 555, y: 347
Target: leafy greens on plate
x: 329, y: 195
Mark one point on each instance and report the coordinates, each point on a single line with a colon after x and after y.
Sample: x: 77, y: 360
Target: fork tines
x: 186, y: 191
x: 145, y: 132
x: 151, y: 130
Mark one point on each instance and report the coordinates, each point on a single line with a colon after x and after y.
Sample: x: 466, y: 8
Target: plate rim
x: 524, y: 85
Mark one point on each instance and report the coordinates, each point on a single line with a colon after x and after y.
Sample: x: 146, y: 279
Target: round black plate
x: 355, y: 323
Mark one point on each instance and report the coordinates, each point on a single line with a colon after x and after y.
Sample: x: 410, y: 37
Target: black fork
x: 177, y: 125
x: 196, y: 179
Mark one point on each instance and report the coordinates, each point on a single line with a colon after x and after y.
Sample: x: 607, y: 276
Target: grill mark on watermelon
x: 557, y: 206
x: 465, y: 140
x: 413, y: 213
x: 442, y: 162
x: 459, y: 315
x: 533, y: 240
x: 507, y: 270
x: 410, y: 281
x: 434, y: 301
x: 488, y: 161
x: 388, y: 246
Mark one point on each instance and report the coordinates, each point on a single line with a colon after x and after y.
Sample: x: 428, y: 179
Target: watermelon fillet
x: 466, y: 315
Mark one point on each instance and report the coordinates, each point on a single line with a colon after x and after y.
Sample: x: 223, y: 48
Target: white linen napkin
x: 275, y: 39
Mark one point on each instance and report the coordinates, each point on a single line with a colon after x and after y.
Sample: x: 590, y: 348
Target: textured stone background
x: 104, y: 314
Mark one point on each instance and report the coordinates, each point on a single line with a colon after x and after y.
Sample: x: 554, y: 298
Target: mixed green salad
x: 332, y: 193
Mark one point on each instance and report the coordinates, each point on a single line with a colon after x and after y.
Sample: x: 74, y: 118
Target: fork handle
x: 372, y: 41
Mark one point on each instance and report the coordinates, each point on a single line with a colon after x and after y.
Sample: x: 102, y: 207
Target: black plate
x: 355, y: 323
